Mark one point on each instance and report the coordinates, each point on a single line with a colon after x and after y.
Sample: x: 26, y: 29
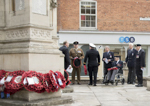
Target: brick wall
x: 112, y: 15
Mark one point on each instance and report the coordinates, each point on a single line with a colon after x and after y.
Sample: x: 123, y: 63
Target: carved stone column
x: 28, y: 42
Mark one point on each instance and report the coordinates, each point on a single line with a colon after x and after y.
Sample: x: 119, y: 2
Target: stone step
x: 45, y: 102
x: 68, y: 89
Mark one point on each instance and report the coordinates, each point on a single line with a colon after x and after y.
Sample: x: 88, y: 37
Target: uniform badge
x: 137, y: 56
x: 132, y: 54
x: 110, y: 56
x: 118, y: 65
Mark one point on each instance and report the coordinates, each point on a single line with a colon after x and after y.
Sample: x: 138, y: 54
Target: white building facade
x: 101, y: 39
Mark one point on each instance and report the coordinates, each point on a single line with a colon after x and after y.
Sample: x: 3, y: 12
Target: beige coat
x: 73, y: 54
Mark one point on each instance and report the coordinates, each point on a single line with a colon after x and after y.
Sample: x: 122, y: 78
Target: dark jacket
x: 93, y: 58
x: 65, y: 51
x: 140, y: 59
x: 119, y: 65
x: 110, y: 56
x: 131, y: 58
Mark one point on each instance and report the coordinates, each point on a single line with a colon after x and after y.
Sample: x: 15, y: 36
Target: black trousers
x: 131, y: 75
x: 66, y: 77
x: 105, y: 72
x: 139, y: 74
x: 94, y: 70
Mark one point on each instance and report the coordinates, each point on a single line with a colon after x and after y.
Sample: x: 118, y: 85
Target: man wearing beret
x: 140, y: 64
x: 76, y: 53
x: 131, y: 62
x: 93, y: 62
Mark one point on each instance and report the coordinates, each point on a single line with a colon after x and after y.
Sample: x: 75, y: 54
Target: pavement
x: 110, y: 95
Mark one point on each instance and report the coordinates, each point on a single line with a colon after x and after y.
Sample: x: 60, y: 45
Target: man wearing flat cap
x: 93, y: 62
x: 140, y: 64
x: 76, y: 55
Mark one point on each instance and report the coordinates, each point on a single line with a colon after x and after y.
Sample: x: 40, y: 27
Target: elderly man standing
x: 108, y: 58
x: 76, y: 54
x: 131, y: 62
x: 140, y: 64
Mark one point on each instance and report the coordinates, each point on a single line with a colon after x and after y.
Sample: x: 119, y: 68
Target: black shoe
x: 79, y: 84
x: 139, y: 85
x: 112, y: 82
x: 89, y: 84
x: 72, y: 83
x: 94, y: 85
x: 132, y: 83
x: 103, y: 82
x: 107, y: 81
x: 128, y: 83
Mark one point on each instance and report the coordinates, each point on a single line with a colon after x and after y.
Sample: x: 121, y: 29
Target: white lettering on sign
x: 145, y: 18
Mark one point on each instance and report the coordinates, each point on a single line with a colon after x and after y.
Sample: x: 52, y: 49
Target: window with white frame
x: 88, y: 14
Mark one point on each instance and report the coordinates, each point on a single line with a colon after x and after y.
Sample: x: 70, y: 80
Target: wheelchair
x: 118, y: 78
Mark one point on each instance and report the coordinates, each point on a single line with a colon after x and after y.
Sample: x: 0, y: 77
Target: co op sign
x: 126, y: 39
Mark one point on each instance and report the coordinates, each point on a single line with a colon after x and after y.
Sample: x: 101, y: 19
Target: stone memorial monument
x: 28, y: 41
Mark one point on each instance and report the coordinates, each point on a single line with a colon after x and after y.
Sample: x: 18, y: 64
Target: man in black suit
x: 108, y: 58
x: 65, y: 51
x: 131, y: 62
x: 116, y: 64
x: 140, y: 64
x: 93, y: 62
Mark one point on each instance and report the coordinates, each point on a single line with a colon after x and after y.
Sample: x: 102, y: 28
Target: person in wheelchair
x: 111, y: 74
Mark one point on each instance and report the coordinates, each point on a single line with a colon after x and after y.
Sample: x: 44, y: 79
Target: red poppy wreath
x: 13, y: 81
x: 47, y: 83
x: 33, y: 81
x: 67, y: 81
x: 60, y: 79
x: 2, y: 78
x: 54, y: 81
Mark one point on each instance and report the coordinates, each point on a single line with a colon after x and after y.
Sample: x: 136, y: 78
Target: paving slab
x: 111, y: 95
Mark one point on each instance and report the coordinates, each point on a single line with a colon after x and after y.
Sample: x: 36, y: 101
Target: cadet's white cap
x: 92, y: 45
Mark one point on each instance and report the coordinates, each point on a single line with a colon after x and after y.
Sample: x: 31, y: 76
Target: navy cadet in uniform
x: 93, y: 62
x: 131, y: 62
x: 76, y: 53
x: 67, y: 63
x: 140, y: 64
x: 108, y: 58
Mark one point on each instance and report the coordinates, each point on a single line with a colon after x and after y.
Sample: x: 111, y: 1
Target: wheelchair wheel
x: 123, y: 81
x: 116, y: 82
